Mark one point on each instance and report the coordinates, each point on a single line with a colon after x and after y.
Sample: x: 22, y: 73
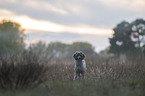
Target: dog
x: 80, y: 65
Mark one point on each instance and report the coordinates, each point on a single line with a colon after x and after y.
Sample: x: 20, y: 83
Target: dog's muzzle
x: 79, y: 57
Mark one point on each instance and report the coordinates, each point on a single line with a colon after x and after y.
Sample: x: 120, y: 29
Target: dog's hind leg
x: 75, y: 76
x: 78, y: 76
x: 83, y: 75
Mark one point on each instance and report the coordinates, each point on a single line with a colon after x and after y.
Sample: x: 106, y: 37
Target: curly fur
x: 80, y: 65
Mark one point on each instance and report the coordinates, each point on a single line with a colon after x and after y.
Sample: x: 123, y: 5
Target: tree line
x: 12, y: 42
x: 58, y: 50
x: 128, y: 39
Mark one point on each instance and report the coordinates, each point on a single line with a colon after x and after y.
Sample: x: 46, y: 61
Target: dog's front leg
x: 75, y: 76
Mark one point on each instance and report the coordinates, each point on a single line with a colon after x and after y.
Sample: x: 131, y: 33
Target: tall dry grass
x: 104, y: 69
x: 104, y: 77
x: 55, y: 77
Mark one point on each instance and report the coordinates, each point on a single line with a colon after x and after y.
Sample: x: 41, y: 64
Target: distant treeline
x: 128, y: 39
x: 60, y: 50
x: 12, y: 42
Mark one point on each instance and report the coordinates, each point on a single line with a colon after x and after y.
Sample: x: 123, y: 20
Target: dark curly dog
x: 80, y: 65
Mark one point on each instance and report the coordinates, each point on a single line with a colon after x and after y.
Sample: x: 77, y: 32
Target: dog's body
x: 80, y: 65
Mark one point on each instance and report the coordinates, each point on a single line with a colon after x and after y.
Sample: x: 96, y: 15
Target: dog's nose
x: 79, y: 57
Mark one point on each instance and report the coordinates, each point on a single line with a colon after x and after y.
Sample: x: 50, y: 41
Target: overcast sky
x: 96, y: 17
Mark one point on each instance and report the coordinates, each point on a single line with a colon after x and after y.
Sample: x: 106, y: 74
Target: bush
x: 22, y: 71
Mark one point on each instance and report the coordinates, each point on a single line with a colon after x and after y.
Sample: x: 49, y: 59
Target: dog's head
x: 78, y: 55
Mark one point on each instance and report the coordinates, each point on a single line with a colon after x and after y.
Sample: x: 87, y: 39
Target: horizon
x: 68, y: 38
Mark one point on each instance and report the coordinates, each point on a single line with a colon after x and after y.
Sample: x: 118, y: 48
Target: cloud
x: 132, y: 5
x: 8, y: 1
x: 37, y: 5
x: 71, y: 7
x: 43, y: 5
x: 100, y: 13
x: 4, y: 12
x: 58, y: 6
x: 35, y: 24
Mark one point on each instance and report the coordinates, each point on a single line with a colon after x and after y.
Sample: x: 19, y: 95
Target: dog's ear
x: 74, y: 55
x: 83, y: 56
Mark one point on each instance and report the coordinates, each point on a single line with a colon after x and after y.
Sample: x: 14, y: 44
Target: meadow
x: 27, y: 75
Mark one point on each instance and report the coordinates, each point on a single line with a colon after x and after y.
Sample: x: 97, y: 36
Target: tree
x: 11, y: 37
x: 138, y: 33
x: 121, y: 41
x: 51, y: 51
x: 81, y: 46
x: 63, y: 51
x: 38, y: 49
x: 129, y: 37
x: 85, y: 47
x: 58, y: 50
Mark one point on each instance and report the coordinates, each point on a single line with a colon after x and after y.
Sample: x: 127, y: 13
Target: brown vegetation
x: 55, y: 78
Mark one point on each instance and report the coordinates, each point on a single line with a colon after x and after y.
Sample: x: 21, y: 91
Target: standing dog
x: 80, y: 65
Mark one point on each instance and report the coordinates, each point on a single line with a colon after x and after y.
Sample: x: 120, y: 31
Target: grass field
x: 104, y: 77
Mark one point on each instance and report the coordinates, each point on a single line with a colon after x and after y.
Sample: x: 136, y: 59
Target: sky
x: 81, y: 20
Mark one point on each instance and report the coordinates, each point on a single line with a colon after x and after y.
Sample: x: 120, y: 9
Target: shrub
x: 22, y: 71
